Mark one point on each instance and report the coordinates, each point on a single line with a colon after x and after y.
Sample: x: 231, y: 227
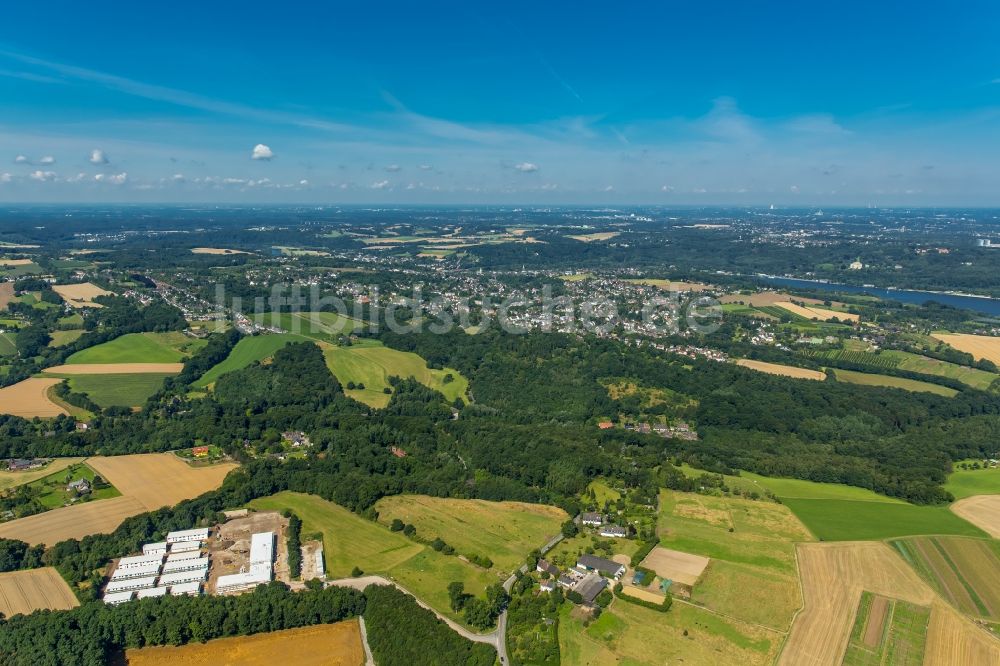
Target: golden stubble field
x: 783, y: 370
x: 34, y: 589
x: 980, y: 346
x: 80, y: 295
x: 147, y: 482
x: 336, y: 644
x: 983, y: 511
x: 833, y: 577
x: 29, y: 398
x: 822, y: 314
x: 6, y: 294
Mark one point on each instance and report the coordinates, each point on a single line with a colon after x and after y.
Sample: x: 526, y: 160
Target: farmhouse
x: 198, y: 535
x: 567, y: 581
x: 590, y: 587
x: 615, y: 531
x: 593, y: 519
x: 547, y: 585
x: 547, y: 567
x: 601, y: 565
x: 81, y: 486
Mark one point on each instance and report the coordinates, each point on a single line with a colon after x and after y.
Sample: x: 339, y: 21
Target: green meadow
x: 967, y: 482
x: 248, y: 350
x: 118, y: 390
x: 170, y: 347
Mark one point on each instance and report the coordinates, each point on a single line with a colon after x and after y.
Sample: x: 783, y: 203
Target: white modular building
x: 260, y: 569
x: 130, y: 584
x: 115, y: 598
x: 189, y: 555
x: 138, y: 561
x: 178, y: 577
x: 185, y: 565
x: 262, y: 548
x: 158, y: 548
x: 151, y: 592
x: 191, y: 589
x: 196, y: 535
x: 148, y: 569
x: 184, y: 547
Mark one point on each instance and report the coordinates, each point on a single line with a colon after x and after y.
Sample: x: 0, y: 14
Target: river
x: 990, y: 306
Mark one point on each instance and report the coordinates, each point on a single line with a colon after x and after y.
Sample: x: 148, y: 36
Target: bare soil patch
x: 876, y: 622
x: 6, y: 294
x: 675, y: 565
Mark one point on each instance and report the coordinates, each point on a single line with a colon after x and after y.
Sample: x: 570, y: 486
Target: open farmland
x: 146, y: 481
x: 80, y: 295
x: 964, y: 483
x: 590, y: 238
x: 170, y: 347
x: 115, y: 369
x: 7, y: 345
x: 12, y: 479
x: 668, y: 285
x: 503, y: 531
x: 15, y: 262
x: 766, y: 298
x: 887, y: 631
x: 629, y: 634
x: 783, y: 370
x: 849, y: 520
x: 833, y: 578
x: 6, y: 294
x: 675, y: 565
x: 373, y: 364
x: 336, y: 644
x: 123, y: 390
x: 869, y: 379
x: 983, y: 511
x: 61, y: 338
x: 963, y: 571
x: 215, y: 250
x: 29, y: 398
x: 376, y: 550
x: 822, y: 314
x: 980, y: 346
x: 34, y: 589
x: 248, y: 350
x: 752, y: 574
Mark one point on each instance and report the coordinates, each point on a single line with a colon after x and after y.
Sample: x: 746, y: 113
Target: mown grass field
x: 171, y: 347
x: 351, y: 541
x: 247, y: 351
x: 973, y: 377
x: 370, y: 363
x: 854, y: 520
x: 124, y: 390
x: 325, y: 326
x: 869, y: 379
x: 968, y: 482
x: 7, y: 346
x: 630, y: 634
x: 60, y: 338
x: 503, y: 531
x: 751, y: 545
x: 963, y: 571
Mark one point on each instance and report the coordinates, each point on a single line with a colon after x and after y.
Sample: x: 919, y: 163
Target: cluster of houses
x: 680, y: 430
x: 604, y: 528
x: 24, y: 464
x: 588, y: 578
x: 174, y: 566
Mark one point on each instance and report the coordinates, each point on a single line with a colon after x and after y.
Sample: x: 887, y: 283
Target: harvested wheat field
x: 980, y: 346
x: 34, y: 589
x: 215, y: 250
x: 954, y: 639
x: 29, y: 398
x: 783, y: 370
x: 983, y: 511
x: 6, y: 294
x: 833, y: 577
x: 643, y: 593
x: 147, y: 482
x: 115, y: 368
x: 327, y: 644
x: 675, y: 565
x: 15, y: 262
x: 821, y: 314
x: 765, y: 298
x: 80, y: 295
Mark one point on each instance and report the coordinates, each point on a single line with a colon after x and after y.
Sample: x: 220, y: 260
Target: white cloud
x: 392, y: 168
x: 178, y: 178
x: 304, y: 183
x: 97, y: 156
x: 21, y: 159
x: 426, y: 167
x: 48, y: 159
x: 113, y: 178
x: 609, y: 188
x: 42, y: 176
x: 549, y: 187
x: 667, y: 188
x: 380, y: 185
x: 5, y: 178
x: 794, y: 189
x: 77, y: 178
x: 262, y: 152
x: 526, y: 167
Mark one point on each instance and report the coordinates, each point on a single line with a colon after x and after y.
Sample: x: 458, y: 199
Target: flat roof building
x: 191, y: 589
x: 138, y: 561
x: 178, y: 577
x: 262, y: 548
x: 115, y: 598
x: 185, y: 565
x: 130, y: 584
x: 148, y: 569
x: 158, y: 548
x: 184, y: 547
x: 198, y: 534
x: 189, y: 555
x: 150, y: 592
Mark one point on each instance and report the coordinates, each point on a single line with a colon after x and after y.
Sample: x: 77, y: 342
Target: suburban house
x: 81, y: 486
x: 601, y: 565
x: 547, y: 585
x: 616, y: 531
x: 199, y: 451
x: 21, y: 464
x: 567, y: 582
x: 593, y: 519
x: 590, y: 587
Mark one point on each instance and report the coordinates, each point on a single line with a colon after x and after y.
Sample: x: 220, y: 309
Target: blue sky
x: 889, y: 103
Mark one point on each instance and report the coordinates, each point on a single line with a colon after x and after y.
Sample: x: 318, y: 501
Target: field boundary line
x: 731, y: 617
x: 802, y: 605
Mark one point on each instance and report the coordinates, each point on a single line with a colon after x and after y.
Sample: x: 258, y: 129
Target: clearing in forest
x: 248, y: 350
x: 337, y: 644
x: 872, y: 379
x: 503, y: 531
x: 34, y: 589
x: 215, y: 250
